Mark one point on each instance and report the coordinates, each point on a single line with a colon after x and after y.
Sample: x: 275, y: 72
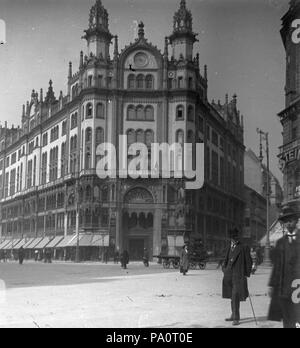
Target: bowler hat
x: 287, y: 212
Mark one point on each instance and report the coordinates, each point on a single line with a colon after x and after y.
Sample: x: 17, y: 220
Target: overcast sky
x: 239, y: 41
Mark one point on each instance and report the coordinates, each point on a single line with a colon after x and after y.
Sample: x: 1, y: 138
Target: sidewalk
x: 164, y: 300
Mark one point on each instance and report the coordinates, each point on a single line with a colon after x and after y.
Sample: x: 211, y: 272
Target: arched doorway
x: 137, y: 223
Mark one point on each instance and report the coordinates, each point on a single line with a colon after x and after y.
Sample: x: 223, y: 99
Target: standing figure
x: 253, y: 254
x: 146, y: 258
x: 237, y: 268
x: 285, y: 279
x: 21, y: 255
x: 184, y: 260
x: 116, y: 257
x: 124, y: 259
x: 36, y: 255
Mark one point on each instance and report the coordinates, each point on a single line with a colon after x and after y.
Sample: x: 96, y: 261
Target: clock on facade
x: 141, y: 59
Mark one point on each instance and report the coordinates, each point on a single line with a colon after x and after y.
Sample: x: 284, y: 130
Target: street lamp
x: 265, y: 137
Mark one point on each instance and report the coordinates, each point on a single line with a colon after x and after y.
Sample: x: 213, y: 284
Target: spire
x: 98, y: 22
x: 50, y: 98
x: 183, y: 19
x: 141, y: 32
x: 41, y: 95
x: 70, y: 70
x: 116, y: 48
x: 81, y: 60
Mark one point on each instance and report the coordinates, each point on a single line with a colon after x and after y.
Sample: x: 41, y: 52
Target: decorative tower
x: 292, y: 87
x: 183, y: 38
x: 97, y: 35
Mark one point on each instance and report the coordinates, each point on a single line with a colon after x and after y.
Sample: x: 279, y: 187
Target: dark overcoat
x: 237, y: 268
x: 286, y: 269
x: 184, y: 260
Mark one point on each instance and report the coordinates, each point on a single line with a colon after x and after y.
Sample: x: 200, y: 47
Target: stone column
x: 157, y: 230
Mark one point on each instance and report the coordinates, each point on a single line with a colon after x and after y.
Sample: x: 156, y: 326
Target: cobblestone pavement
x: 105, y: 296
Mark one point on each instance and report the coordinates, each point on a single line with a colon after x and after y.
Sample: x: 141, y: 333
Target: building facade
x: 256, y: 178
x: 290, y: 150
x: 48, y: 181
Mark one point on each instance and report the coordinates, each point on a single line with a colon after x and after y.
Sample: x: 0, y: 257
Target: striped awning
x: 4, y: 243
x: 65, y: 242
x: 43, y: 243
x: 54, y: 242
x: 29, y: 241
x: 34, y: 243
x: 20, y: 244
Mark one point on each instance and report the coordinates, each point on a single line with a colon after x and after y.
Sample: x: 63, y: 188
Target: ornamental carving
x: 138, y: 196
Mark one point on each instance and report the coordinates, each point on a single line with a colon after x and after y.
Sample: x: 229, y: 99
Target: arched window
x: 88, y: 135
x: 140, y: 81
x: 140, y: 113
x: 75, y: 142
x: 131, y: 114
x: 100, y: 111
x: 149, y: 82
x: 89, y: 111
x: 131, y: 138
x: 131, y: 81
x: 149, y: 111
x: 88, y: 193
x: 88, y: 161
x: 180, y: 137
x: 190, y: 114
x: 140, y: 136
x: 96, y: 193
x: 180, y: 113
x: 99, y: 136
x: 104, y: 194
x: 149, y: 137
x: 73, y: 92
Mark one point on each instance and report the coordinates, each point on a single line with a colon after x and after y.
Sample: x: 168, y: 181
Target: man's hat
x: 289, y: 211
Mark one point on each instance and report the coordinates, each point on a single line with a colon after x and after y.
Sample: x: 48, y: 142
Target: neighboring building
x: 256, y: 176
x: 289, y: 117
x: 48, y: 166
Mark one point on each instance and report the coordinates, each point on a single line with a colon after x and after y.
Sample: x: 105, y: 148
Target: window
x: 14, y: 158
x: 294, y: 133
x: 1, y: 165
x: 190, y: 114
x: 149, y: 111
x: 88, y: 135
x: 90, y: 81
x: 208, y: 132
x: 180, y: 113
x: 215, y: 138
x: 131, y: 114
x: 100, y: 111
x: 131, y: 81
x: 99, y: 136
x: 74, y: 120
x: 149, y: 82
x: 222, y: 144
x: 131, y: 138
x: 89, y: 111
x: 100, y: 81
x: 215, y: 168
x: 7, y: 162
x: 191, y: 85
x: 170, y: 83
x: 140, y: 81
x: 64, y: 128
x: 180, y: 82
x: 140, y: 137
x: 45, y: 139
x: 140, y: 113
x: 190, y: 138
x: 201, y: 124
x: 29, y: 174
x: 109, y: 82
x: 149, y: 137
x: 180, y: 137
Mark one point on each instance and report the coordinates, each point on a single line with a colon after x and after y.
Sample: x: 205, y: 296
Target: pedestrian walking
x: 21, y: 255
x: 146, y: 258
x: 116, y: 257
x: 285, y: 305
x: 237, y: 268
x: 253, y: 254
x: 124, y: 259
x: 184, y: 260
x: 36, y: 255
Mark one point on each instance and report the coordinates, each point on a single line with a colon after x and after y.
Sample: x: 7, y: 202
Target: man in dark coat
x: 124, y: 259
x: 285, y: 279
x: 21, y: 255
x: 237, y: 267
x: 184, y: 260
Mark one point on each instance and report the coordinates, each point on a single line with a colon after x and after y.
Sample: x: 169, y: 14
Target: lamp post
x: 265, y: 137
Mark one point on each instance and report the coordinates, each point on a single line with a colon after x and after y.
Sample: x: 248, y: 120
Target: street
x: 106, y: 296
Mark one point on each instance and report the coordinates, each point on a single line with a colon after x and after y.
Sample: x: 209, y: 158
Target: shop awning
x: 29, y: 241
x: 65, y: 242
x: 100, y: 240
x: 34, y: 243
x: 4, y: 243
x: 43, y: 243
x: 11, y: 244
x: 54, y: 242
x: 20, y: 244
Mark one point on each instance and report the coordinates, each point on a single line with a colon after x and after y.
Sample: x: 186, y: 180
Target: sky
x: 239, y: 40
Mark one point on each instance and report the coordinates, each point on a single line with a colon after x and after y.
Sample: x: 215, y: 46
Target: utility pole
x: 265, y: 137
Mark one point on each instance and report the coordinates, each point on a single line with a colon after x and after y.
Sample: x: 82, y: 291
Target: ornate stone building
x: 289, y: 117
x: 48, y: 178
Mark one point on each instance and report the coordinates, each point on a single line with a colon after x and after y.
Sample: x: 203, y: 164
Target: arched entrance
x: 137, y: 222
